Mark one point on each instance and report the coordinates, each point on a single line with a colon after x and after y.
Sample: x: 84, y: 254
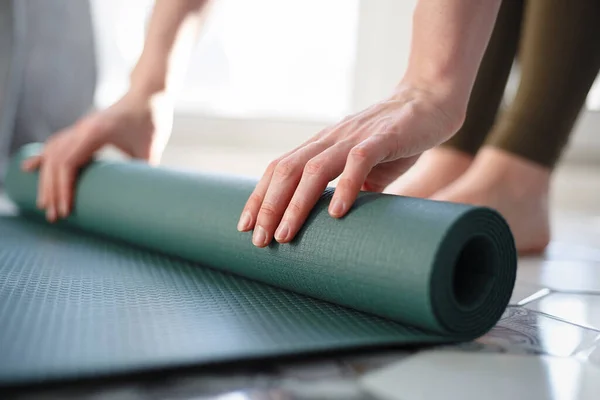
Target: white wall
x: 382, y: 49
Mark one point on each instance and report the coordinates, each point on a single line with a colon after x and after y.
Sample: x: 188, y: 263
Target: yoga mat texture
x: 150, y: 272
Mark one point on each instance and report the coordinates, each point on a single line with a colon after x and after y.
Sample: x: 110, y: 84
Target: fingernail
x: 50, y: 214
x: 337, y: 208
x: 244, y: 223
x: 259, y: 238
x: 282, y: 232
x: 63, y: 209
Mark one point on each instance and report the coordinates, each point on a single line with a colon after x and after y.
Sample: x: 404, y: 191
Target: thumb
x: 385, y: 173
x: 149, y: 148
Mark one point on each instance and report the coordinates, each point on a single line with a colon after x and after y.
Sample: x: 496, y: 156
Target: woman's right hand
x: 137, y: 124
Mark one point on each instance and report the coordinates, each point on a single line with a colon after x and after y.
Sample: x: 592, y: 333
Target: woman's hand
x: 367, y: 151
x: 138, y: 124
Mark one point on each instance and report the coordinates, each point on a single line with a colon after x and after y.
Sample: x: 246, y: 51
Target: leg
x: 10, y: 76
x: 559, y: 60
x: 59, y: 69
x: 441, y: 166
x: 490, y: 83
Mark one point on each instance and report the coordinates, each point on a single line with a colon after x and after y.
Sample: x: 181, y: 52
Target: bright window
x: 257, y: 59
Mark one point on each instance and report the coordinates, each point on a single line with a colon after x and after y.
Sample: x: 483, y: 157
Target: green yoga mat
x: 150, y: 272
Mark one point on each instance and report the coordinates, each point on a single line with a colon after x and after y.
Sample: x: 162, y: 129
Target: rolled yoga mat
x: 150, y: 272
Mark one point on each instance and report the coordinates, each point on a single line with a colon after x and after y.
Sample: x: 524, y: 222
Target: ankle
x: 451, y: 154
x: 517, y: 176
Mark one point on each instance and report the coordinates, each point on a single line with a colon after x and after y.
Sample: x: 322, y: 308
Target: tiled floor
x: 546, y: 346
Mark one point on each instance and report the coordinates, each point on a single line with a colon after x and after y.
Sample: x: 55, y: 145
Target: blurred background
x: 267, y: 74
x: 264, y: 76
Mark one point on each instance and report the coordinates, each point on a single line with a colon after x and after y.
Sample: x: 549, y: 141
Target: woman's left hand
x: 367, y: 151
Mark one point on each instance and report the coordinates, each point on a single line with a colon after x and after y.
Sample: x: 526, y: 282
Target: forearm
x: 449, y: 39
x: 170, y: 38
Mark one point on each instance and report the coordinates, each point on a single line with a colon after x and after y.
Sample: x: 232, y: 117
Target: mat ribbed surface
x: 150, y: 272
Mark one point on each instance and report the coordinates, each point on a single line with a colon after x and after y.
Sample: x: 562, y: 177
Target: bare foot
x: 515, y: 187
x: 434, y: 170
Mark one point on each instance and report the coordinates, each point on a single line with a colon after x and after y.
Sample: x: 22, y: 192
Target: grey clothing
x: 47, y: 69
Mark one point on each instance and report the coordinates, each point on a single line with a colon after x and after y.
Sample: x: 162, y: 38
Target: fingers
x: 287, y: 172
x: 319, y: 171
x: 291, y: 186
x: 369, y: 150
x: 56, y: 182
x: 248, y: 217
x: 64, y: 187
x: 57, y: 172
x: 31, y: 164
x: 361, y: 160
x: 251, y: 208
x: 285, y: 178
x: 46, y: 195
x: 47, y: 198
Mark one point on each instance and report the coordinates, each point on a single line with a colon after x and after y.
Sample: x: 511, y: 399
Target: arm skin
x: 139, y: 123
x: 172, y: 32
x: 449, y: 38
x: 370, y: 149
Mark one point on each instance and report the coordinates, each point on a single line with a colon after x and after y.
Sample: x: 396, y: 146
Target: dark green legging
x: 558, y: 44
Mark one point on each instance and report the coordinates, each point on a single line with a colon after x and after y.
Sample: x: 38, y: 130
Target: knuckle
x: 323, y: 142
x: 411, y: 109
x: 374, y: 186
x: 268, y: 210
x: 323, y: 133
x: 387, y: 126
x: 355, y: 124
x: 285, y: 169
x: 345, y: 183
x: 254, y: 200
x: 272, y: 165
x: 359, y: 153
x: 294, y: 208
x: 314, y: 167
x: 386, y: 140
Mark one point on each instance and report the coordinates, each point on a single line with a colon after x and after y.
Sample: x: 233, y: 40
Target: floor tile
x: 312, y: 371
x: 576, y: 187
x: 321, y: 390
x: 591, y: 354
x: 565, y: 276
x: 569, y: 251
x: 465, y: 376
x: 523, y: 331
x: 578, y: 309
x: 525, y: 292
x: 579, y: 227
x: 361, y: 364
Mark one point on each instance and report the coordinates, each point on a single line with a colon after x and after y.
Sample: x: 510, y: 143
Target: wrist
x: 148, y: 78
x: 446, y: 96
